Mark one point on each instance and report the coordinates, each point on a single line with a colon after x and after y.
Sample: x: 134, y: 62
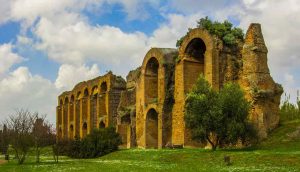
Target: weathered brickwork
x: 148, y: 109
x: 91, y: 104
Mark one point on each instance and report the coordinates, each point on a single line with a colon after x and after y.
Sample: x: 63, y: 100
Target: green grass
x: 277, y: 153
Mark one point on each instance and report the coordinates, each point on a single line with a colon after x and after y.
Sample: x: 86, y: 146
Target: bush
x: 228, y: 34
x: 98, y: 143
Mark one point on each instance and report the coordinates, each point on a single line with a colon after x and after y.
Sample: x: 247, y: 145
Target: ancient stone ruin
x: 148, y: 108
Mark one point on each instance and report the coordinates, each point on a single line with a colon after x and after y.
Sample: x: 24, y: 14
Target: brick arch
x: 187, y: 72
x: 211, y: 56
x: 202, y: 34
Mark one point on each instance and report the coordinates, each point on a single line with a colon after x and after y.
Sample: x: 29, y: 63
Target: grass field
x: 281, y: 152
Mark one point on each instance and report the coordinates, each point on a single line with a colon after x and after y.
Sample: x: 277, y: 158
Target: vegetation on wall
x: 218, y: 117
x: 223, y: 30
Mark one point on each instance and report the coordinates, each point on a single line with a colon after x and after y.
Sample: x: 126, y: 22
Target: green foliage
x: 225, y: 31
x: 179, y: 42
x: 98, y: 143
x: 217, y: 117
x: 235, y: 108
x: 288, y: 110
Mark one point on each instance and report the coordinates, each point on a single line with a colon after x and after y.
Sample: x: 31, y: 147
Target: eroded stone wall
x: 148, y: 109
x: 91, y: 104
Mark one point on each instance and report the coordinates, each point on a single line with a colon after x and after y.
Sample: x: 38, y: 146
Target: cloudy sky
x: 46, y: 46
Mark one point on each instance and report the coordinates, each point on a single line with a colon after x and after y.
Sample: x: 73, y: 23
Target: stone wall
x: 148, y: 109
x: 91, y: 104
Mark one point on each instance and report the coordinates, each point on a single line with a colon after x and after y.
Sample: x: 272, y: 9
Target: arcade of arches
x: 148, y: 108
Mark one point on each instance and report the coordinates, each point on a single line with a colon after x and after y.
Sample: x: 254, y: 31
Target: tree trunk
x: 37, y: 155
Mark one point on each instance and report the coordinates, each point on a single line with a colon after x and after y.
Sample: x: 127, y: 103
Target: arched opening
x: 77, y: 114
x: 84, y: 129
x: 196, y: 49
x: 65, y: 116
x: 194, y: 65
x: 101, y: 124
x: 102, y: 99
x: 60, y: 112
x: 72, y: 108
x: 151, y: 81
x: 71, y: 132
x: 152, y: 129
x: 103, y: 87
x: 94, y: 99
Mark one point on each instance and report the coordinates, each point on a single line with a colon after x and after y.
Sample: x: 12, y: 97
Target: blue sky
x: 46, y: 46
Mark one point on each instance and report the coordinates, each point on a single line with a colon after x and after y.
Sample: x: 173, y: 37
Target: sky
x: 47, y: 46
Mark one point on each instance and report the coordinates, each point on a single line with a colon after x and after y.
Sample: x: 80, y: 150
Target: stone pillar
x: 97, y: 111
x: 81, y: 116
x: 88, y: 99
x: 68, y: 120
x: 62, y: 122
x: 259, y: 86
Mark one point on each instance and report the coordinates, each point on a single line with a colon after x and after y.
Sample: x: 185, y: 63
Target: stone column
x: 62, y: 121
x: 81, y: 116
x: 88, y: 99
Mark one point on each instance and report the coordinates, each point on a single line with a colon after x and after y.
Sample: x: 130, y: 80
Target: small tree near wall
x: 217, y: 117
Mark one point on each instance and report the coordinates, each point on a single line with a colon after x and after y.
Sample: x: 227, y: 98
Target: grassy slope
x: 278, y: 153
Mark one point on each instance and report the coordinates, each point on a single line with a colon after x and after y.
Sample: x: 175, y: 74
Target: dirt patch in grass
x: 2, y: 161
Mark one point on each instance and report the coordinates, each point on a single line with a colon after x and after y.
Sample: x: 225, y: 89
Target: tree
x: 235, y: 108
x: 217, y: 117
x: 203, y: 113
x: 20, y: 125
x: 4, y: 139
x: 42, y: 134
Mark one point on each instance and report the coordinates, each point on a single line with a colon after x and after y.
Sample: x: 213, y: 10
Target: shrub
x: 225, y: 31
x: 98, y: 143
x: 288, y: 110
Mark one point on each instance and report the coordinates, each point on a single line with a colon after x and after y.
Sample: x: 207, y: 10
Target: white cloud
x: 21, y: 89
x: 75, y: 41
x: 176, y: 26
x: 69, y: 75
x: 8, y: 58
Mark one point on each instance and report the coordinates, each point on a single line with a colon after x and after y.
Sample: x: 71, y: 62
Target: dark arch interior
x: 152, y: 67
x: 71, y: 127
x: 151, y: 81
x: 61, y: 102
x: 66, y: 100
x: 103, y: 87
x: 84, y: 126
x: 72, y: 98
x: 86, y: 92
x: 196, y: 49
x: 101, y: 124
x: 152, y: 129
